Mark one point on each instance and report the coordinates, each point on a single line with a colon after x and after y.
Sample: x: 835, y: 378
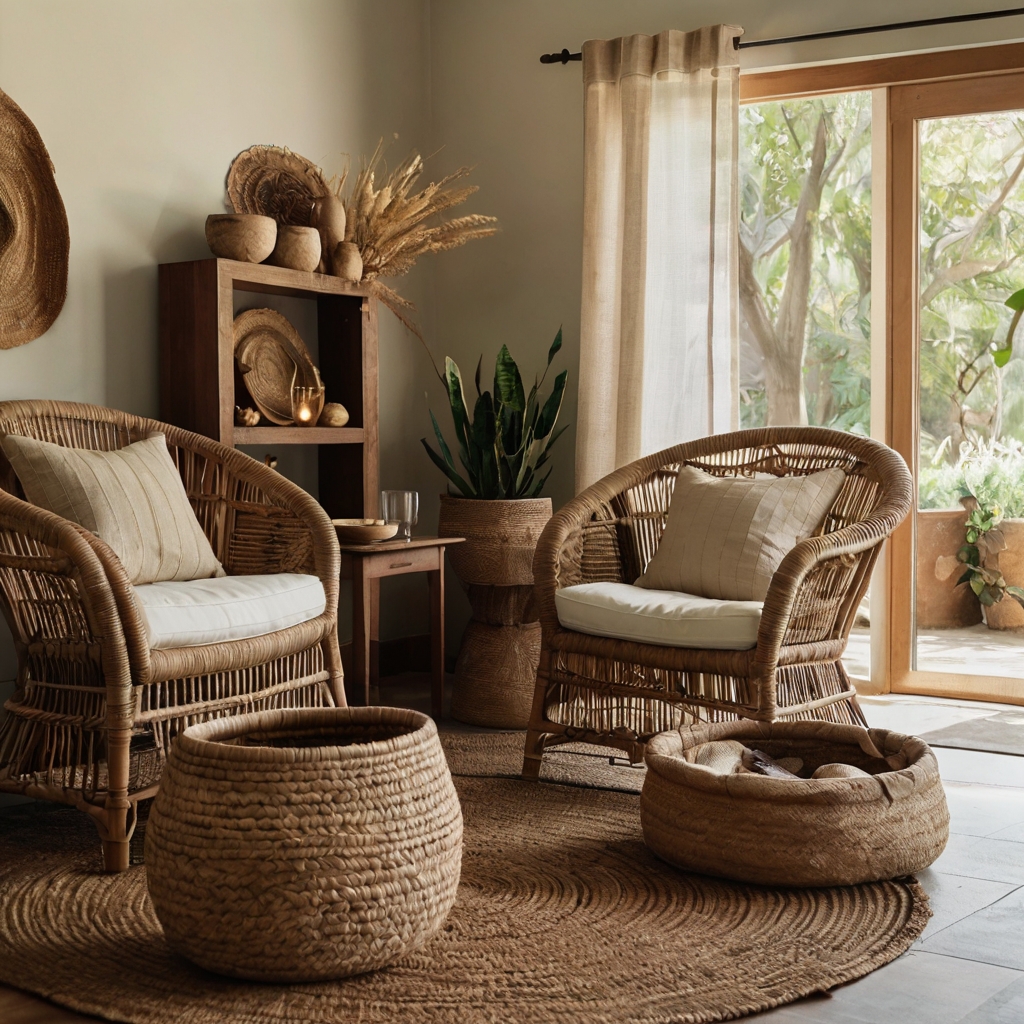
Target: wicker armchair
x: 620, y: 693
x: 95, y: 709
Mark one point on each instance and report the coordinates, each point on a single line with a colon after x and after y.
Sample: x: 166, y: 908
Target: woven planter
x: 751, y: 828
x: 304, y: 845
x: 496, y: 670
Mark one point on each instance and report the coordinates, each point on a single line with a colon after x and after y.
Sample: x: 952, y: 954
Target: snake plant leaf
x: 467, y: 491
x: 540, y: 486
x: 442, y: 443
x: 546, y: 453
x: 460, y: 416
x: 484, y: 432
x: 508, y: 384
x: 555, y: 346
x: 476, y: 376
x: 1017, y: 593
x: 549, y: 413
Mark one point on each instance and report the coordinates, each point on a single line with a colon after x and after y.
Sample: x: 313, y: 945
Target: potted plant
x: 503, y: 449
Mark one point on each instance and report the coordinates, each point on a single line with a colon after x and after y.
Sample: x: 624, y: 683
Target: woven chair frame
x: 619, y: 693
x: 95, y: 709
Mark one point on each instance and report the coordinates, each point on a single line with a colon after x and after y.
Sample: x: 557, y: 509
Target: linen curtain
x: 659, y: 322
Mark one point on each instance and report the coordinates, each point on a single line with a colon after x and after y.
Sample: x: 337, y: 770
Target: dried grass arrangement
x: 391, y: 226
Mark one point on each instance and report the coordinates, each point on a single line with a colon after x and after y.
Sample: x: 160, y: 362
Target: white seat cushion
x: 192, y: 612
x: 664, y: 617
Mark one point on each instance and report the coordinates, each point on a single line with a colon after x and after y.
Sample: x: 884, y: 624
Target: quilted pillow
x: 132, y: 498
x: 725, y: 536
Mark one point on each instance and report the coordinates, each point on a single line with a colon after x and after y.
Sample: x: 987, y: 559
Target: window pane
x: 805, y: 262
x: 971, y: 396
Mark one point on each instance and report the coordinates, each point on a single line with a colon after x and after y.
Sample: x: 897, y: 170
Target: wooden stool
x: 366, y: 565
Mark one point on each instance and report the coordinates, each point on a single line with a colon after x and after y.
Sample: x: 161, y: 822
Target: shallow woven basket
x: 304, y: 845
x: 752, y: 828
x: 275, y: 182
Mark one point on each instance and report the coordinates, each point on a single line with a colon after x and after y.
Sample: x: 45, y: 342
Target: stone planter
x: 304, y: 845
x: 941, y: 604
x: 1008, y: 614
x: 496, y: 669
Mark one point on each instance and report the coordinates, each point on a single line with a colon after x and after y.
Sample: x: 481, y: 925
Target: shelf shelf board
x: 298, y: 435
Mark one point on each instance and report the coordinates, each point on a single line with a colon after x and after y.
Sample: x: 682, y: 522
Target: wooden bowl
x: 248, y: 237
x: 364, y: 531
x: 297, y: 248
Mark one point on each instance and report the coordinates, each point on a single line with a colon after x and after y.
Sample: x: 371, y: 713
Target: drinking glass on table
x: 400, y: 507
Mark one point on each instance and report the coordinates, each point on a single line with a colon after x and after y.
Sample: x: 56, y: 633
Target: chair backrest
x: 633, y: 502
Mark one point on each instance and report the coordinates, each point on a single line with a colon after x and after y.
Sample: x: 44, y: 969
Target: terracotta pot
x: 1008, y: 614
x: 248, y: 237
x: 941, y: 604
x: 496, y: 670
x: 297, y: 248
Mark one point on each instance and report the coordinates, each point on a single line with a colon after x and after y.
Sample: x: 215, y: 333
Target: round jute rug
x: 562, y: 914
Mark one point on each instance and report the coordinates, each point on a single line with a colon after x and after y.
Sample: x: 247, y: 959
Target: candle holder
x: 307, y: 402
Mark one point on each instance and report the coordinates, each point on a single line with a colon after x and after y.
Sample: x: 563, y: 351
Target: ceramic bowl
x: 248, y: 237
x: 364, y: 531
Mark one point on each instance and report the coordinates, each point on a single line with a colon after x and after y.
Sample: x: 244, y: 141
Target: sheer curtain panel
x: 658, y: 345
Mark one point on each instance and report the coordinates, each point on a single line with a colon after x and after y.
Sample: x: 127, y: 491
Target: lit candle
x: 307, y: 404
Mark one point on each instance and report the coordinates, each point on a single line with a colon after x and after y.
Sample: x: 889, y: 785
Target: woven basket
x: 304, y: 845
x: 752, y: 828
x: 496, y: 671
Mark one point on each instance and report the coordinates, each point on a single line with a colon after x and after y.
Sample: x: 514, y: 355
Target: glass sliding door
x: 957, y: 392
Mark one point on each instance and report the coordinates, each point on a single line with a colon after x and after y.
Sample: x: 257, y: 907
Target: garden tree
x: 805, y: 256
x: 972, y: 227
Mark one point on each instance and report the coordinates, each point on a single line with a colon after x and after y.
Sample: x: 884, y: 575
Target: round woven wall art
x: 34, y: 238
x: 271, y: 355
x: 275, y: 182
x: 562, y: 914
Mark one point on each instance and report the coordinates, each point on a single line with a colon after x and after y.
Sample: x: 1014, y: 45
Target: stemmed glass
x: 400, y: 507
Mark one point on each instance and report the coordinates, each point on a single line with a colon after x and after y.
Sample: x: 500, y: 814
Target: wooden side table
x: 366, y: 565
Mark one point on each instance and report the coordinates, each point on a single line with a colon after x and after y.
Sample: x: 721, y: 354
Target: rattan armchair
x: 619, y: 693
x: 95, y: 709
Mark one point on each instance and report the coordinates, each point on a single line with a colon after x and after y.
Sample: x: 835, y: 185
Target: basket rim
x: 210, y: 739
x: 664, y: 758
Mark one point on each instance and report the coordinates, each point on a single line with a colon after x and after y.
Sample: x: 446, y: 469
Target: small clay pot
x: 348, y: 264
x: 333, y: 415
x: 249, y: 237
x: 297, y: 248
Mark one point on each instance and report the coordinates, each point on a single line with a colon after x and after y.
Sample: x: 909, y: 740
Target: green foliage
x: 776, y: 140
x: 992, y: 472
x: 980, y: 553
x: 509, y: 436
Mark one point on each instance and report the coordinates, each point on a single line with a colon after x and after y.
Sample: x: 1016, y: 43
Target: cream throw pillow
x: 725, y: 537
x: 132, y: 498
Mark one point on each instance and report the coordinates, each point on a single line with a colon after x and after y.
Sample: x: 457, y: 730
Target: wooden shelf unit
x: 200, y: 387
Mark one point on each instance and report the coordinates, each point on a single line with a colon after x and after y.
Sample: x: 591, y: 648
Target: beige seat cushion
x: 132, y: 498
x: 725, y: 537
x: 192, y: 612
x: 666, y: 618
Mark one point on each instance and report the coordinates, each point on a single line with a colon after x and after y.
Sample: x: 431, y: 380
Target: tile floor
x: 968, y: 966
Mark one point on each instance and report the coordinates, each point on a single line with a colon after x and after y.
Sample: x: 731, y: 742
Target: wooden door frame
x: 967, y: 80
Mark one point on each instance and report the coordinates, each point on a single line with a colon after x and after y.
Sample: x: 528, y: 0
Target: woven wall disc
x: 34, y: 239
x: 275, y: 182
x: 268, y: 351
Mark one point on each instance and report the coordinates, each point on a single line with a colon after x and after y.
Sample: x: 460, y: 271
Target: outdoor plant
x: 980, y: 554
x: 507, y: 441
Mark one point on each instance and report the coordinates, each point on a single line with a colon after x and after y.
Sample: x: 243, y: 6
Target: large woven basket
x: 752, y: 828
x: 304, y: 845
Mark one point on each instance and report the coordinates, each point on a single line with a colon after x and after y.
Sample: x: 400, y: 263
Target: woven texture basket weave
x: 752, y: 828
x: 304, y: 845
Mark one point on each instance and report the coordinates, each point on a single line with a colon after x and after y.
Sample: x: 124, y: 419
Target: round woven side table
x: 809, y: 832
x: 303, y: 845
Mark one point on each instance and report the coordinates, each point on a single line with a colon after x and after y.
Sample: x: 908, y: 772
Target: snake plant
x: 506, y: 443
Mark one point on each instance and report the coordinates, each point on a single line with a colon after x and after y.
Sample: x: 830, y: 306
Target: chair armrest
x: 78, y: 561
x: 815, y: 584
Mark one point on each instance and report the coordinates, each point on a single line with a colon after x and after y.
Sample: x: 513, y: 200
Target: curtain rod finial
x: 560, y: 58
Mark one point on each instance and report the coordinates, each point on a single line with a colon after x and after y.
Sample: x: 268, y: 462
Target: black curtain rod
x: 565, y: 56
